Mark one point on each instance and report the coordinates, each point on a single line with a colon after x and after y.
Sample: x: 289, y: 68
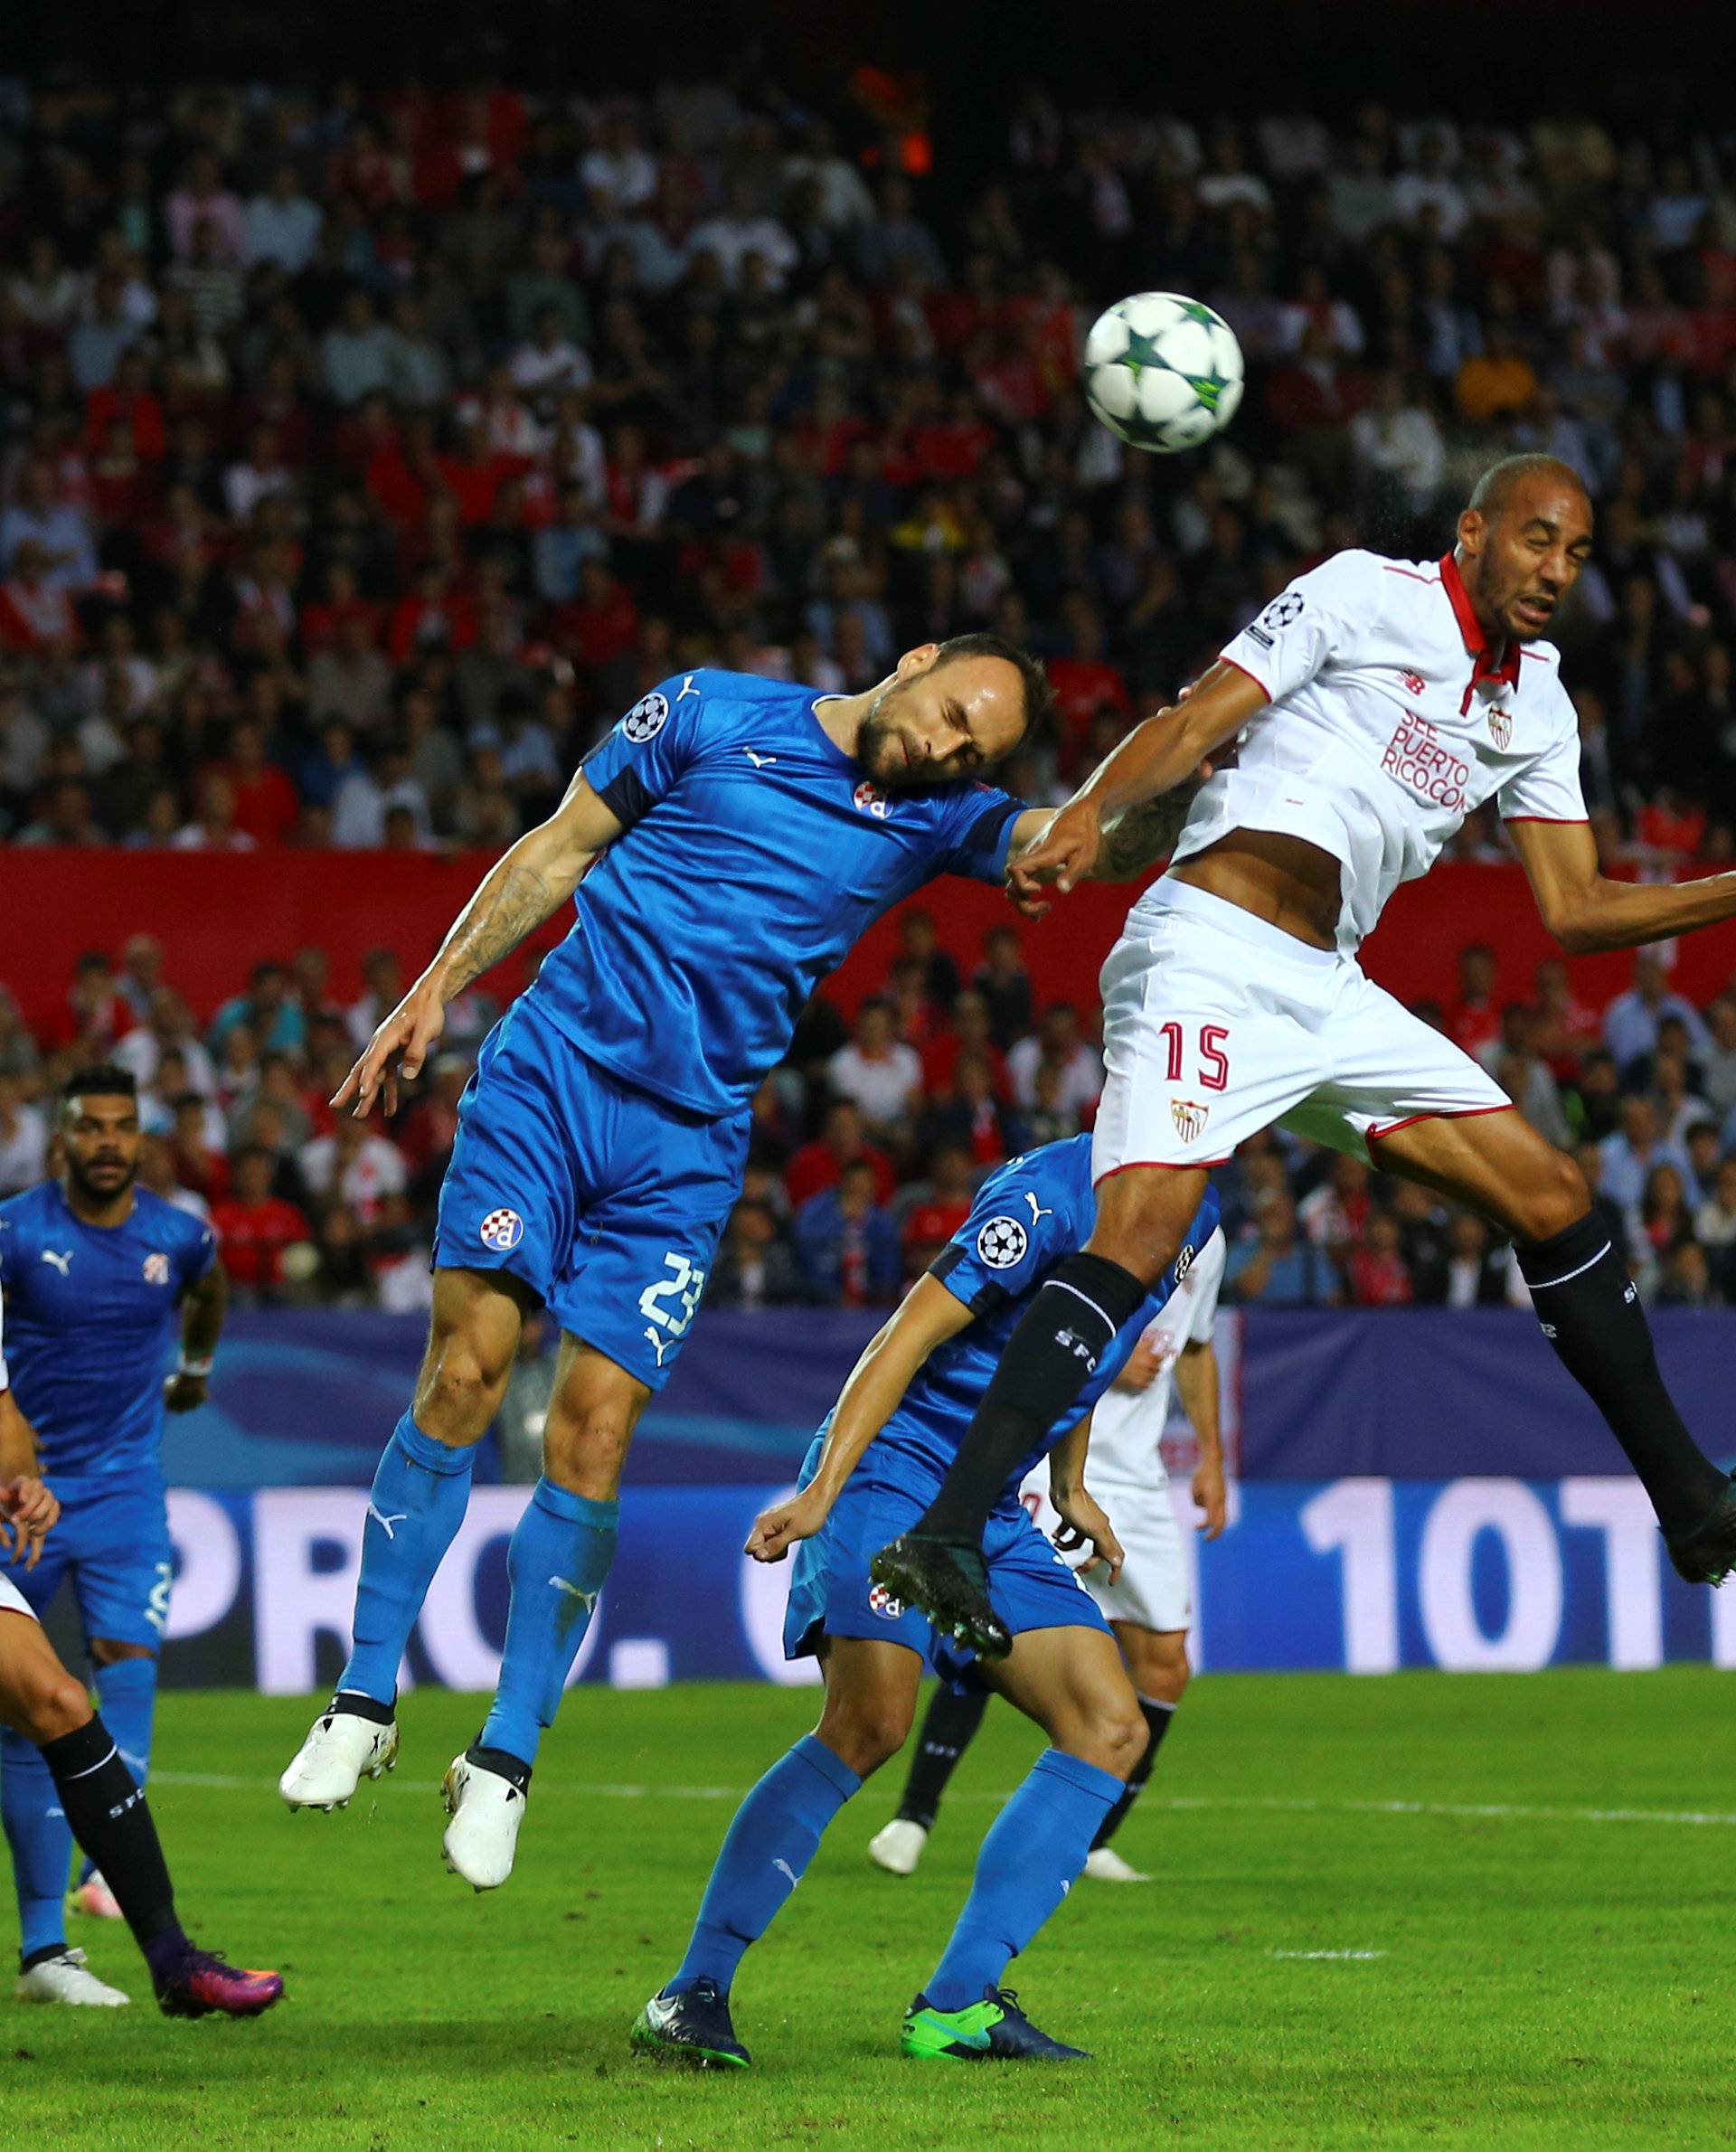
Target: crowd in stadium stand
x: 363, y: 457
x: 870, y: 1141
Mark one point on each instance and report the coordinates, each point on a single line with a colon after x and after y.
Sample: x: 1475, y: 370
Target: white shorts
x: 1216, y: 1025
x: 1152, y: 1588
x: 13, y: 1601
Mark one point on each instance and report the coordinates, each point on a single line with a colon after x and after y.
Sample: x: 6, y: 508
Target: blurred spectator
x: 755, y: 1267
x: 1280, y: 1267
x: 878, y: 1072
x: 1058, y: 1039
x: 843, y: 1141
x: 848, y: 1243
x: 1630, y: 1022
x: 254, y: 1228
x: 24, y: 1140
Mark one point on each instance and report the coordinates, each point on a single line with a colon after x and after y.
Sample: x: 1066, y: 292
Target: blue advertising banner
x: 1363, y: 1574
x: 308, y: 1399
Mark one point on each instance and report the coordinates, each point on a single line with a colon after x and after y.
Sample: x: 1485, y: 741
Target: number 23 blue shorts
x: 607, y: 1202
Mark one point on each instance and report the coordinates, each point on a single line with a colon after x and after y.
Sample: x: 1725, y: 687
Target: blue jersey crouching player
x: 734, y: 836
x: 872, y: 1470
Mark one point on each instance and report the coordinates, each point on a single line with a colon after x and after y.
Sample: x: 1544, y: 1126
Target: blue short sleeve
x: 639, y: 761
x: 984, y: 820
x: 198, y: 1252
x: 1017, y: 1228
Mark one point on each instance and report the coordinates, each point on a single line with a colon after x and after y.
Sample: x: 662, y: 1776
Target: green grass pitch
x: 1479, y: 1913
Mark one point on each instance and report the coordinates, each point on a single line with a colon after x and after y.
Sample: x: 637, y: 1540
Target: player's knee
x: 105, y: 1651
x: 1554, y: 1197
x: 1159, y: 1666
x: 462, y: 1385
x: 44, y: 1701
x: 585, y: 1448
x: 865, y: 1732
x: 1113, y: 1735
x: 1139, y: 1221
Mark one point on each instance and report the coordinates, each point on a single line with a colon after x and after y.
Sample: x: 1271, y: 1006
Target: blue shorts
x: 113, y: 1538
x: 1030, y: 1585
x: 607, y: 1202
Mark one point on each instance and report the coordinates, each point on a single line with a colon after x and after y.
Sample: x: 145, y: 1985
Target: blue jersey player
x: 734, y: 836
x: 102, y: 1282
x: 873, y: 1470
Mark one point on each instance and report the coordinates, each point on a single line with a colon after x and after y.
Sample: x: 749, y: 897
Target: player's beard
x: 107, y: 1190
x: 880, y: 744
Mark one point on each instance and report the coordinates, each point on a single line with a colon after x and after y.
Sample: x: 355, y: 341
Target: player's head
x: 98, y: 1132
x: 952, y: 710
x: 1523, y: 541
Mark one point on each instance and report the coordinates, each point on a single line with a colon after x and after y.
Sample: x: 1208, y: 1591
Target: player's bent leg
x: 556, y: 1566
x: 1589, y: 1311
x: 1142, y: 1212
x: 1071, y: 1681
x: 126, y: 1685
x: 950, y: 1726
x: 110, y: 1819
x: 871, y: 1688
x: 40, y: 1701
x: 417, y: 1503
x: 1157, y: 1664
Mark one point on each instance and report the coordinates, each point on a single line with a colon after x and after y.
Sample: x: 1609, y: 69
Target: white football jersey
x: 1391, y: 719
x: 1128, y: 1425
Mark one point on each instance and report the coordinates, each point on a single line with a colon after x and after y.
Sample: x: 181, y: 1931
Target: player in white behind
x: 1149, y: 1606
x: 1375, y: 703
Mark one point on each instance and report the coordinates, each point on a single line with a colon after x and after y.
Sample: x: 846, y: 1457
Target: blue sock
x: 1034, y: 1849
x: 765, y: 1854
x: 126, y: 1698
x: 419, y: 1495
x: 41, y: 1840
x: 556, y: 1563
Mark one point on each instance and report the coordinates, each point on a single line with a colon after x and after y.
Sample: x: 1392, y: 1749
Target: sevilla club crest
x: 1500, y: 727
x: 1190, y: 1118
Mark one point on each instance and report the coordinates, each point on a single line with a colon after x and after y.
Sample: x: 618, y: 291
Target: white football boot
x: 899, y: 1847
x: 93, y: 1899
x: 1104, y: 1864
x: 341, y: 1750
x: 486, y: 1810
x: 66, y: 1978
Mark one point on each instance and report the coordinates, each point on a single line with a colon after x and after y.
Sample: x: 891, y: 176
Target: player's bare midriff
x: 1287, y: 881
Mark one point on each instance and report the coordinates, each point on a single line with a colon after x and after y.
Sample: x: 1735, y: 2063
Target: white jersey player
x: 1372, y: 704
x: 1150, y: 1604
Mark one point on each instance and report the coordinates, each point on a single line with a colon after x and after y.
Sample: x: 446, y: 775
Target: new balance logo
x: 386, y: 1523
x: 1037, y: 1210
x: 62, y: 1263
x: 758, y: 761
x: 586, y: 1599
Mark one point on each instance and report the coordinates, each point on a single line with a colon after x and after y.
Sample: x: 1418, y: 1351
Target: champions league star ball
x: 1162, y: 371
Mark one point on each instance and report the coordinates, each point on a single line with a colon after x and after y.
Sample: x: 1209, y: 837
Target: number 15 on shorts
x: 669, y: 1303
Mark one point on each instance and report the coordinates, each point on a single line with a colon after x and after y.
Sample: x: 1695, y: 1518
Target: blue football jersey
x: 91, y: 1321
x: 1029, y: 1214
x: 755, y: 854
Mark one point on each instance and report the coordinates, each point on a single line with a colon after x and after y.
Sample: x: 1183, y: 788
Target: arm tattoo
x: 1144, y: 835
x: 511, y: 902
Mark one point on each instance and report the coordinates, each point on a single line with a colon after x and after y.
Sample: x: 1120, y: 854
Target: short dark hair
x: 106, y: 1081
x: 1039, y: 696
x: 1495, y: 487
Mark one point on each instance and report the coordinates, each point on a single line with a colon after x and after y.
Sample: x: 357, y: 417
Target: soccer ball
x: 1161, y: 371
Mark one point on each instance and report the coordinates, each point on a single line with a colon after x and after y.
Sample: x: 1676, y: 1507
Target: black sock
x: 947, y: 1733
x: 1157, y: 1718
x: 1070, y: 1324
x: 1590, y: 1313
x: 111, y: 1821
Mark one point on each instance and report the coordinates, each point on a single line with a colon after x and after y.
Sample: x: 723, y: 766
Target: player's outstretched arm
x: 1082, y: 1518
x: 1196, y: 1385
x: 202, y: 1307
x: 1586, y: 912
x: 530, y: 880
x: 929, y: 1316
x: 1156, y: 757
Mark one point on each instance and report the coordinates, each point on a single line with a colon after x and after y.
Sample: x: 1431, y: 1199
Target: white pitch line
x: 1336, y: 1956
x: 1476, y: 1811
